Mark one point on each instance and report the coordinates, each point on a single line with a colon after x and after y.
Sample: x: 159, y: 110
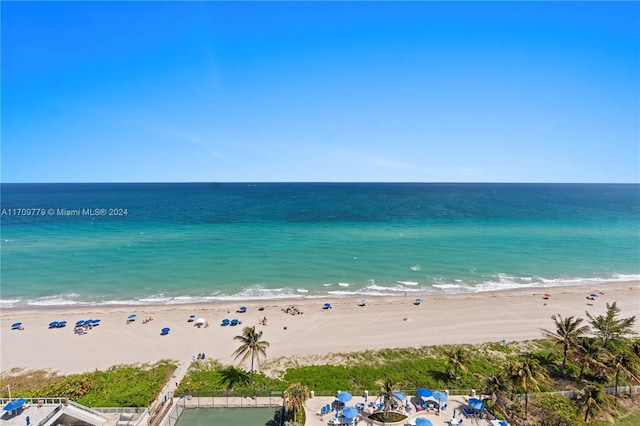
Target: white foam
x: 416, y: 268
x: 413, y: 283
x: 343, y: 284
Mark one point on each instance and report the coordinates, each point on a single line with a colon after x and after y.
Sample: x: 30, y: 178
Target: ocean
x: 96, y: 244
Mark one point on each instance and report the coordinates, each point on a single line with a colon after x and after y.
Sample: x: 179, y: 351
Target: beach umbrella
x: 440, y: 396
x: 132, y: 316
x: 62, y: 324
x: 476, y: 404
x: 165, y: 330
x: 344, y: 396
x: 327, y: 305
x: 350, y: 412
x: 398, y: 396
x: 423, y: 421
x: 418, y: 300
x: 81, y: 322
x: 424, y: 392
x: 16, y: 325
x: 547, y: 295
x: 191, y: 317
x: 53, y: 324
x: 95, y: 321
x: 16, y: 403
x: 594, y: 295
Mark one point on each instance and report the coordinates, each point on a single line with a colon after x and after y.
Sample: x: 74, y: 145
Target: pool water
x: 230, y: 417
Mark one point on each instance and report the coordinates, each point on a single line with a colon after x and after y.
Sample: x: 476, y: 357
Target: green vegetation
x: 120, y: 386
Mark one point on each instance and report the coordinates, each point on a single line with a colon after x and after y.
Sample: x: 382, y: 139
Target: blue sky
x: 327, y: 91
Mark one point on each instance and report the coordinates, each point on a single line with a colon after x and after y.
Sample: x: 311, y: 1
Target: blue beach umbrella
x: 16, y: 403
x: 476, y: 404
x: 95, y: 321
x: 165, y: 331
x: 192, y: 317
x: 398, y: 396
x: 62, y: 324
x: 350, y: 412
x: 424, y: 392
x: 439, y: 396
x: 344, y: 396
x: 423, y: 421
x: 594, y: 295
x: 53, y: 324
x: 16, y: 325
x: 132, y: 316
x: 418, y: 301
x: 80, y: 322
x: 326, y: 306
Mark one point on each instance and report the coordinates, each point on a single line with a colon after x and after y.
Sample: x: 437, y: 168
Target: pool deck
x: 313, y: 406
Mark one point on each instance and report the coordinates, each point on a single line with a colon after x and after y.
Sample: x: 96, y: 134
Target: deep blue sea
x: 179, y: 243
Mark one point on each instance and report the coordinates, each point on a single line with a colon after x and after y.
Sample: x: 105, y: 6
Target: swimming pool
x: 231, y: 417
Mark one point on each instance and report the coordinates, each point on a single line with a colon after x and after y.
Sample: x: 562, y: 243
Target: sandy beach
x: 383, y: 323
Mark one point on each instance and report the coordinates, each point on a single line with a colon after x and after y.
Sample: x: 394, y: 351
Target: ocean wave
x: 416, y: 268
x: 496, y: 282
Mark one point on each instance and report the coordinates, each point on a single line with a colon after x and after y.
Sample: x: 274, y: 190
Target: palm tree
x: 251, y: 346
x: 595, y: 401
x: 295, y: 396
x: 527, y: 375
x: 496, y: 387
x: 387, y: 387
x: 568, y: 331
x: 623, y: 363
x: 455, y: 357
x: 232, y: 376
x: 587, y: 354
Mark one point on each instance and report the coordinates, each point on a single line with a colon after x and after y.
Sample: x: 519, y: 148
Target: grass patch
x: 119, y: 386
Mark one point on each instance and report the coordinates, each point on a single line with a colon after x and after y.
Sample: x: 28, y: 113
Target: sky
x: 320, y: 92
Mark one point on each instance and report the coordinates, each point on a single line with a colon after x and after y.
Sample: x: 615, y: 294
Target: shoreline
x: 385, y: 322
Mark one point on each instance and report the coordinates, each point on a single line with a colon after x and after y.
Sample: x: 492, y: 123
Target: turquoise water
x: 180, y: 243
x: 228, y: 417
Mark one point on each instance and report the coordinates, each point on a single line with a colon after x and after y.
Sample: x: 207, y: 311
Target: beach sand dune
x: 390, y: 322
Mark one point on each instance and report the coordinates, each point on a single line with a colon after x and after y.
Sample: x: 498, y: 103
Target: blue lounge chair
x: 225, y: 321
